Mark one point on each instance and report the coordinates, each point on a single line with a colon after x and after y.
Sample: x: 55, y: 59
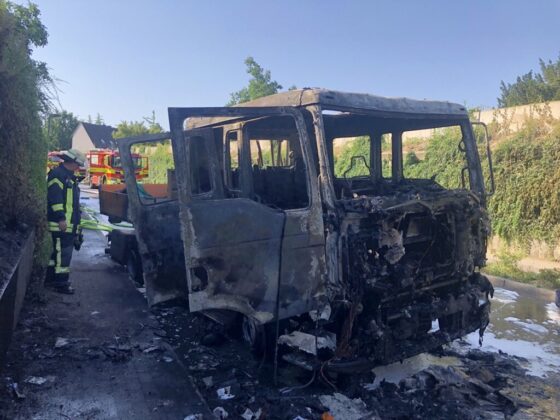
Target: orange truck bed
x: 113, y: 199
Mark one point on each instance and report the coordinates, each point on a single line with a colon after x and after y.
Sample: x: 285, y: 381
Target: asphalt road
x: 95, y: 354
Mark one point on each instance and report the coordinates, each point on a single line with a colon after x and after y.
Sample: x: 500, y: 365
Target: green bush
x: 411, y: 159
x: 159, y: 162
x: 23, y: 101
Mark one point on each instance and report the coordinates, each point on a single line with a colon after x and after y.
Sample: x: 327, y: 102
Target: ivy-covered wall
x: 526, y: 205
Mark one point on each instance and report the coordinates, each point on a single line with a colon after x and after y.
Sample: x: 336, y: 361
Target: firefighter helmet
x: 73, y: 155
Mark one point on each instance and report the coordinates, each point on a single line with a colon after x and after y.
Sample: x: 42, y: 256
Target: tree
x: 137, y: 128
x: 533, y: 87
x: 153, y: 125
x: 99, y: 119
x: 58, y: 130
x: 24, y: 99
x: 260, y: 84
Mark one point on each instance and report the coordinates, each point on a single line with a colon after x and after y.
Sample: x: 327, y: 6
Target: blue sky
x: 124, y: 59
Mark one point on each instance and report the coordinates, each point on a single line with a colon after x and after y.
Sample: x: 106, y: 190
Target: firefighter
x: 63, y: 216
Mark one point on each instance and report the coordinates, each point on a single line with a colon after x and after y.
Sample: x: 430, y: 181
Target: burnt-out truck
x: 296, y: 211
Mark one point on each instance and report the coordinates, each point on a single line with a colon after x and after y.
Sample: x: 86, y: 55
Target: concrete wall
x: 12, y: 294
x: 516, y: 116
x: 81, y: 140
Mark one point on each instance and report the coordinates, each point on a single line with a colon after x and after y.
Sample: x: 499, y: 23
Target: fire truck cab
x: 104, y: 167
x: 53, y: 160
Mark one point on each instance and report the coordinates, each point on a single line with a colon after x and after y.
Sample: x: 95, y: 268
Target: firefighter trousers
x: 58, y: 272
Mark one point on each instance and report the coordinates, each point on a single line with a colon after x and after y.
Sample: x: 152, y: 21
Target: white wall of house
x: 81, y: 140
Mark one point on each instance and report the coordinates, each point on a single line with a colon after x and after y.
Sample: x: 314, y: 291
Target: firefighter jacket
x: 63, y: 199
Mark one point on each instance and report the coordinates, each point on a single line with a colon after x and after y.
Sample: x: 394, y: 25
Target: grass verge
x: 506, y: 266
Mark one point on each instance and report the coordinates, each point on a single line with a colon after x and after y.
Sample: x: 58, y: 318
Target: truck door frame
x: 300, y: 234
x: 156, y: 228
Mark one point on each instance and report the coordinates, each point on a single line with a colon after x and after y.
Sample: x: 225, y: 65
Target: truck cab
x: 273, y: 212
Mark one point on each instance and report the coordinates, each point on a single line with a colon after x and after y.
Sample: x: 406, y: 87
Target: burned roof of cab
x: 331, y: 99
x: 347, y: 103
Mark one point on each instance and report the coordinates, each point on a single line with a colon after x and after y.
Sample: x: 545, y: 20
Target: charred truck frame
x: 355, y: 269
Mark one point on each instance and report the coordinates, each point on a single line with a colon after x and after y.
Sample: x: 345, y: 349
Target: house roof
x: 101, y: 135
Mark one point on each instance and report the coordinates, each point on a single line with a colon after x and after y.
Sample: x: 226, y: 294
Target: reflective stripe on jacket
x: 63, y: 199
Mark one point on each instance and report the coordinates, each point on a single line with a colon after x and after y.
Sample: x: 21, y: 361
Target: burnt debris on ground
x: 482, y: 385
x: 236, y: 384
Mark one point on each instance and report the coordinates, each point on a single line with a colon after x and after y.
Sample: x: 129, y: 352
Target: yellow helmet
x: 74, y: 155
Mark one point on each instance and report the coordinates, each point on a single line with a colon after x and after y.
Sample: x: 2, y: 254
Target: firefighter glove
x: 78, y: 241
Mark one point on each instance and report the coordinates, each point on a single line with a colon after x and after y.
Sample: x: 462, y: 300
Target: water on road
x: 524, y: 322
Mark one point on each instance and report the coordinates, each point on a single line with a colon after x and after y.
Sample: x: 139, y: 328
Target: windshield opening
x: 370, y: 154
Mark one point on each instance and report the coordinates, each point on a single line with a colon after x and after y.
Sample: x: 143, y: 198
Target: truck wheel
x: 134, y: 267
x: 255, y: 335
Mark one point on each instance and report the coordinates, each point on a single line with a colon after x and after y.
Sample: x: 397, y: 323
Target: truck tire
x: 256, y: 336
x: 134, y: 267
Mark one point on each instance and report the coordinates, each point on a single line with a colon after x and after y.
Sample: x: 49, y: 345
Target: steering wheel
x: 353, y: 159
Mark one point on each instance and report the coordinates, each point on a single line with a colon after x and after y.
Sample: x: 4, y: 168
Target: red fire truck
x: 104, y: 167
x: 54, y: 159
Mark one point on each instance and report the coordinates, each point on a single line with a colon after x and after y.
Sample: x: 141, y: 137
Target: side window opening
x: 154, y: 170
x: 231, y: 162
x: 270, y: 153
x: 437, y: 154
x: 351, y: 157
x: 277, y: 164
x: 201, y: 181
x: 387, y: 156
